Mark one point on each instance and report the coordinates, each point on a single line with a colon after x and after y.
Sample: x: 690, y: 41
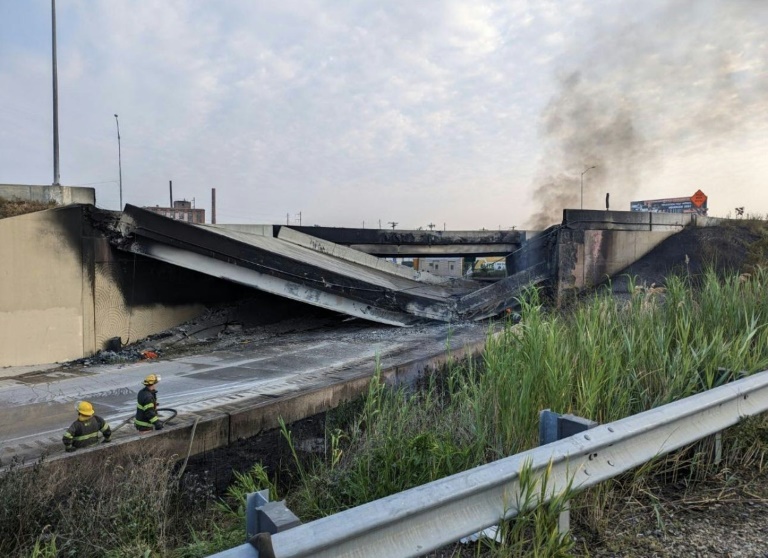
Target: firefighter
x: 146, y: 406
x: 84, y: 432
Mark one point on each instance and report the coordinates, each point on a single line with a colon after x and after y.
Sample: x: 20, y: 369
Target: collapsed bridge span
x: 299, y: 267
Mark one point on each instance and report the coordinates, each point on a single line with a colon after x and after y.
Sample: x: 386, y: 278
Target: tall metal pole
x: 582, y: 184
x: 55, y: 98
x: 120, y: 163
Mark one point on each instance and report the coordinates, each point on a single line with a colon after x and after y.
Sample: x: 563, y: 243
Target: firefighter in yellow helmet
x: 146, y: 406
x: 84, y: 432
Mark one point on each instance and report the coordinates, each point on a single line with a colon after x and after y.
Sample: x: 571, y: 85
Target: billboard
x: 697, y: 203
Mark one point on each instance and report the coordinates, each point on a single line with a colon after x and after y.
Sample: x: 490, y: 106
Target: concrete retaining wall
x: 121, y: 312
x: 64, y: 291
x: 595, y: 245
x: 46, y: 302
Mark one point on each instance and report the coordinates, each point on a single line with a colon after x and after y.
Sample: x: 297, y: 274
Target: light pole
x: 55, y: 97
x: 582, y: 183
x: 119, y: 162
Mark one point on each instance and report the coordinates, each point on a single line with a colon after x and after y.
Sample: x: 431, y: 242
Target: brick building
x: 182, y: 210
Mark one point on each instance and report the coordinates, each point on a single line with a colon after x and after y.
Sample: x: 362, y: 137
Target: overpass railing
x: 428, y: 517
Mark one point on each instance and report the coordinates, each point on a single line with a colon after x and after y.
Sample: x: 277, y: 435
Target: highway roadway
x: 36, y: 406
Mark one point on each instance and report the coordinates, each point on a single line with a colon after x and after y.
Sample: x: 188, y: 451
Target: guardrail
x: 428, y: 517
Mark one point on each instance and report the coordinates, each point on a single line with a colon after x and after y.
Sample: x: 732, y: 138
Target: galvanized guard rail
x: 428, y: 517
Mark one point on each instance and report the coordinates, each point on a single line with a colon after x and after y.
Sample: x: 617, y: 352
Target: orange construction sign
x: 698, y: 199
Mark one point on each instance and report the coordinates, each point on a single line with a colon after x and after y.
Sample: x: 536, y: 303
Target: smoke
x: 688, y: 79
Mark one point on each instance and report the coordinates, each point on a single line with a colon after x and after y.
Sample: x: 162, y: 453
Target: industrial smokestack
x: 213, y: 206
x: 170, y: 189
x: 607, y: 197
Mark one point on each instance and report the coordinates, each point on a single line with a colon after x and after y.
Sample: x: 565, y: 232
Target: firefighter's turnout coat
x: 84, y: 433
x: 146, y: 410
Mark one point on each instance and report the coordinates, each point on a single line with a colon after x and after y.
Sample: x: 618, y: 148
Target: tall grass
x: 606, y: 359
x: 399, y: 439
x: 128, y: 506
x: 609, y: 358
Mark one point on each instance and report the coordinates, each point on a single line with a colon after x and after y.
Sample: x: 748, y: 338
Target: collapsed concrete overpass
x: 294, y: 265
x: 76, y: 278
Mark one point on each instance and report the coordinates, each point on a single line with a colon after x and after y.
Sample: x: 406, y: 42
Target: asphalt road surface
x: 36, y: 406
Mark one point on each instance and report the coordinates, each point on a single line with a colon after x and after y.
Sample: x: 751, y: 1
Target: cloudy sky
x: 461, y: 113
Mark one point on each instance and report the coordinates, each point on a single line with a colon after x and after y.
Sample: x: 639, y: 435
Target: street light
x: 55, y: 97
x: 119, y: 162
x: 582, y: 183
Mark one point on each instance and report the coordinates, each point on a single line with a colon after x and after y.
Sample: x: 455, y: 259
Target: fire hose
x: 173, y: 414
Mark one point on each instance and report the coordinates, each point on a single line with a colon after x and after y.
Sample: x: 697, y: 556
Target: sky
x: 457, y: 114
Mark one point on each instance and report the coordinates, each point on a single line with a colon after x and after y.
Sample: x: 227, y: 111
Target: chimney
x: 213, y: 206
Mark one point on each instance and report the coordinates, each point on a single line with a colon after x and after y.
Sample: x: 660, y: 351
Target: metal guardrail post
x: 262, y: 519
x: 253, y: 502
x: 554, y: 427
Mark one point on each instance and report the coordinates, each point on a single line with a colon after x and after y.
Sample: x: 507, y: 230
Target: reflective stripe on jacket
x: 84, y: 433
x: 146, y: 409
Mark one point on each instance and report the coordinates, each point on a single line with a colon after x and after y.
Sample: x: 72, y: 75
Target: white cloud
x: 347, y: 112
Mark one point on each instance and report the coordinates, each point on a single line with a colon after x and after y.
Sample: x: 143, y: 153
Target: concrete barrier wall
x: 259, y: 230
x: 586, y: 219
x: 62, y: 195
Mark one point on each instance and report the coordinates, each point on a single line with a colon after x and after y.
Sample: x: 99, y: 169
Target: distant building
x: 491, y: 264
x: 445, y: 267
x: 181, y: 211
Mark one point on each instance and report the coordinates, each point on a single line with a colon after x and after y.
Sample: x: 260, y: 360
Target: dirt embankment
x: 735, y: 246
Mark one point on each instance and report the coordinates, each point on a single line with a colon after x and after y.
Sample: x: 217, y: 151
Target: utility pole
x: 431, y: 226
x: 299, y: 216
x: 287, y: 218
x: 393, y: 223
x: 55, y: 98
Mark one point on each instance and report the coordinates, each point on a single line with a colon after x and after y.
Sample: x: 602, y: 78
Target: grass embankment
x: 12, y: 208
x: 605, y: 360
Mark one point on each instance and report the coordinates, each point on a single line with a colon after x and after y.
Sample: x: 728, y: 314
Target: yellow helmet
x: 84, y: 408
x: 151, y: 380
